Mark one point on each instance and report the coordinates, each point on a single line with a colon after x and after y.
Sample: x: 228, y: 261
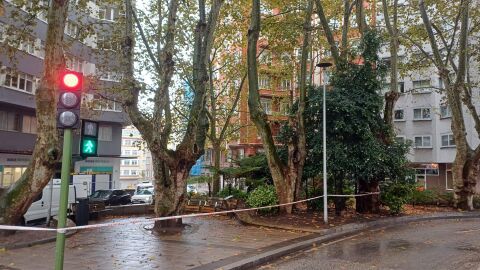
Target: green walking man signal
x: 89, y: 141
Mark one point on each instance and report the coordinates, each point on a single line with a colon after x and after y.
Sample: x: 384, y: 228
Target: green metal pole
x: 62, y: 211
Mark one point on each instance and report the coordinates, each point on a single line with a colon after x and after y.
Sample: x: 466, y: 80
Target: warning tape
x: 147, y: 220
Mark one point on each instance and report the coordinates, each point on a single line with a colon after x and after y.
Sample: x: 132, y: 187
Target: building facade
x: 20, y: 76
x: 136, y: 165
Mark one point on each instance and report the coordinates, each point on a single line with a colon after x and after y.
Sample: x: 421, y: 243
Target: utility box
x: 82, y: 212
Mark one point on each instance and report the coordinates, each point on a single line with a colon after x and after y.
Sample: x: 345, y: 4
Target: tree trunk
x: 216, y: 166
x: 368, y: 203
x: 170, y: 192
x: 15, y: 201
x: 465, y: 173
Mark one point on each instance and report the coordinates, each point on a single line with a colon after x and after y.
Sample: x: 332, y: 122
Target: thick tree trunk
x: 216, y: 165
x: 465, y: 173
x: 170, y: 192
x: 369, y: 203
x: 15, y: 201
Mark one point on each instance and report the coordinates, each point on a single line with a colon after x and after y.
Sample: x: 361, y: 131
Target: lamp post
x: 324, y: 65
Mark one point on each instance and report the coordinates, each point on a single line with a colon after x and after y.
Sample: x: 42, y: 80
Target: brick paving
x: 205, y: 240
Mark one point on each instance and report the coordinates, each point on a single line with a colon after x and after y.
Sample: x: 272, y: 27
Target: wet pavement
x: 205, y: 240
x: 442, y: 244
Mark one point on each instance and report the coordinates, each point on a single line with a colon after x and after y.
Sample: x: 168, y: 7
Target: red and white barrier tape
x: 147, y: 220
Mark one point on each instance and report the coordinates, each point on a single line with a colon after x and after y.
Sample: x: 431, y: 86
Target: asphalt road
x: 442, y: 244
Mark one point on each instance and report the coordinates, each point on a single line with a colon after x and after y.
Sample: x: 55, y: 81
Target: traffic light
x: 89, y: 141
x: 69, y: 99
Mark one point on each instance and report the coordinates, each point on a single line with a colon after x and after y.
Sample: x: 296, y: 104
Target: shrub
x: 263, y: 196
x: 315, y: 204
x: 424, y: 197
x: 235, y: 192
x: 395, y: 195
x: 476, y: 202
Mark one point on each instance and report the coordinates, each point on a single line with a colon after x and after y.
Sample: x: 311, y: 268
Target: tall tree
x: 285, y: 176
x: 15, y: 200
x: 465, y: 166
x: 172, y: 167
x: 391, y: 23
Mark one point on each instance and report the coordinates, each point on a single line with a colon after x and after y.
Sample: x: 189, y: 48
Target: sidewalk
x: 206, y: 240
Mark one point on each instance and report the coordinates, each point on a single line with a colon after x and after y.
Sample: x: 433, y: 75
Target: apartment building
x: 19, y: 79
x: 136, y: 165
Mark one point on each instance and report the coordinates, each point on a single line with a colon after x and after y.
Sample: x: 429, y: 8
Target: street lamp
x: 324, y: 65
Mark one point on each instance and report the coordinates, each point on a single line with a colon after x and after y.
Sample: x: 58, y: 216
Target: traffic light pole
x: 62, y: 211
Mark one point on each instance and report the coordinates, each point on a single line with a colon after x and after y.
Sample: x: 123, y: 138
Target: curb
x: 39, y: 241
x: 249, y: 260
x: 36, y: 242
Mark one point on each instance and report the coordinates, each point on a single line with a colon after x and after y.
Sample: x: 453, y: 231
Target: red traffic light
x: 71, y: 80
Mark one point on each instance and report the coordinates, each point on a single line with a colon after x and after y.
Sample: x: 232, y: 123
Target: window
x: 445, y: 111
x: 264, y: 82
x: 107, y: 104
x: 10, y: 175
x: 284, y: 108
x: 266, y: 105
x: 74, y: 64
x: 128, y: 152
x: 427, y: 171
x: 447, y: 140
x: 125, y: 172
x: 106, y: 43
x: 423, y: 141
x: 265, y: 57
x: 29, y: 124
x: 27, y: 45
x: 286, y: 84
x: 105, y: 133
x: 401, y: 87
x: 134, y: 162
x: 422, y: 86
x: 105, y: 13
x: 126, y: 162
x: 399, y: 115
x: 19, y: 81
x: 133, y: 172
x: 421, y: 114
x: 10, y: 121
x: 286, y: 58
x: 71, y: 28
x: 134, y: 153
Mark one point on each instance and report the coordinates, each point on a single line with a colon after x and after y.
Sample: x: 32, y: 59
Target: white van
x: 144, y: 186
x: 39, y: 208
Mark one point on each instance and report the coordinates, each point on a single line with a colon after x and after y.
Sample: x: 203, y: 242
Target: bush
x: 315, y: 204
x: 395, y: 195
x: 476, y: 202
x: 263, y: 196
x: 235, y: 192
x: 424, y: 197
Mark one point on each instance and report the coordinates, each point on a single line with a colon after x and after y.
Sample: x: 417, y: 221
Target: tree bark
x: 15, y: 201
x: 368, y: 203
x: 216, y: 164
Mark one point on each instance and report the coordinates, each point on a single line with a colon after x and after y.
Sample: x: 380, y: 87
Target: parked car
x: 191, y: 188
x: 111, y: 197
x: 144, y: 185
x: 130, y: 191
x: 143, y: 196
